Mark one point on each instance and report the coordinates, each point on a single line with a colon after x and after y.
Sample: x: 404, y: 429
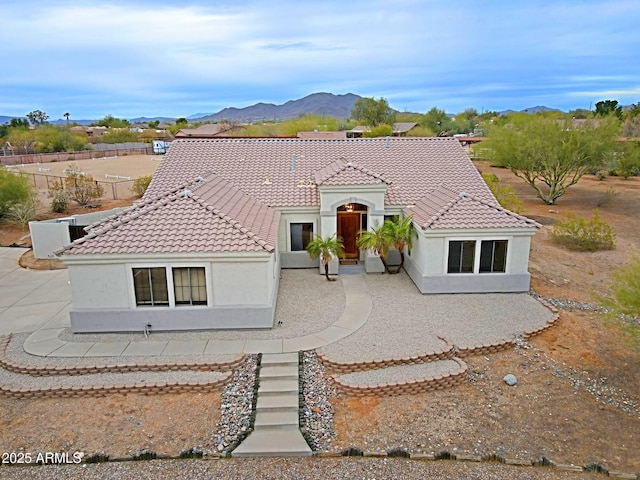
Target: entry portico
x: 342, y: 185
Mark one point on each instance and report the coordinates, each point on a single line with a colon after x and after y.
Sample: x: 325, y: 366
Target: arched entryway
x: 351, y: 218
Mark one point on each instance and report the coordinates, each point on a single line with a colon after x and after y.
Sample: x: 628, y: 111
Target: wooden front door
x: 348, y: 227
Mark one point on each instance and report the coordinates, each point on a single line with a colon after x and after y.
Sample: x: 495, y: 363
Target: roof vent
x: 293, y: 163
x: 267, y: 179
x: 349, y: 164
x: 464, y: 194
x: 200, y: 179
x: 388, y: 142
x: 185, y: 193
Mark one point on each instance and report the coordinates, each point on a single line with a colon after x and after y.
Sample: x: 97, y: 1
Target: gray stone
x: 510, y: 379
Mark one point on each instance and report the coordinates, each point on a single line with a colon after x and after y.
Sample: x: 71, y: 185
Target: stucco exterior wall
x: 100, y: 286
x: 427, y: 264
x: 299, y: 259
x: 241, y: 293
x: 48, y: 236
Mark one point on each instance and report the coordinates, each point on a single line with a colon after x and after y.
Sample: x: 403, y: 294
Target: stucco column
x: 372, y: 262
x: 329, y: 227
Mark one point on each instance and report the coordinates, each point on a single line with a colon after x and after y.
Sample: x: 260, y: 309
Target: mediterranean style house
x: 204, y: 247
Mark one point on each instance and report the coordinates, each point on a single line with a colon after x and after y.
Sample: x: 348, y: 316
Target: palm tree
x: 67, y: 115
x: 376, y: 240
x: 399, y: 233
x: 325, y: 249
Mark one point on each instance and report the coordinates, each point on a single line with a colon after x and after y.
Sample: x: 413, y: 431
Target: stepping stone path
x: 276, y: 431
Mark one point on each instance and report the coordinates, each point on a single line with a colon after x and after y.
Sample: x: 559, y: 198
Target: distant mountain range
x: 531, y: 110
x: 339, y: 106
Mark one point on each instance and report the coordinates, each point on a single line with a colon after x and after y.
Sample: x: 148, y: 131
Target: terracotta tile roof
x: 444, y: 208
x: 206, y: 215
x: 344, y: 172
x: 412, y: 166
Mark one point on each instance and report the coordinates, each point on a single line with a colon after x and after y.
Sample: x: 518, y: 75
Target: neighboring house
x: 316, y: 135
x: 400, y: 129
x: 204, y: 247
x: 208, y: 130
x: 91, y: 132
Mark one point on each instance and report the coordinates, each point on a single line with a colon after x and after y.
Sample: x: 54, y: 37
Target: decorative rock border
x: 201, y: 366
x: 399, y: 452
x: 357, y: 453
x: 439, y: 382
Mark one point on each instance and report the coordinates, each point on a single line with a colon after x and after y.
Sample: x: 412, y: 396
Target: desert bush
x: 60, y: 202
x: 22, y: 213
x: 13, y: 189
x: 581, y: 234
x: 140, y: 185
x: 505, y: 194
x: 625, y: 291
x: 608, y: 197
x: 77, y: 187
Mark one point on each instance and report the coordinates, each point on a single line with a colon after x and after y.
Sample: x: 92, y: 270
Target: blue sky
x: 161, y: 58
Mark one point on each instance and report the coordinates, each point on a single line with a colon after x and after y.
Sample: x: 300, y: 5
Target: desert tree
x: 37, y: 117
x: 373, y: 112
x: 550, y: 154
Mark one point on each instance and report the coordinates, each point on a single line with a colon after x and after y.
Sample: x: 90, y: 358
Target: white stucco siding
x: 100, y: 286
x: 518, y: 254
x: 48, y: 236
x: 242, y: 283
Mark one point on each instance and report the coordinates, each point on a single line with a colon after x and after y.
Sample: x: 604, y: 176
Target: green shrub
x: 140, y: 185
x: 22, y: 213
x: 60, y: 202
x: 581, y: 234
x: 625, y: 291
x: 13, y: 189
x: 505, y: 194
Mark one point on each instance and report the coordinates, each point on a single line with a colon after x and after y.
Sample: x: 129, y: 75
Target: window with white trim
x: 301, y: 235
x: 493, y: 256
x: 150, y: 287
x: 189, y: 286
x: 461, y: 256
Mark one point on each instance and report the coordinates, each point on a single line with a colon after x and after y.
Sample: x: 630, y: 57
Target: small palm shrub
x: 579, y: 233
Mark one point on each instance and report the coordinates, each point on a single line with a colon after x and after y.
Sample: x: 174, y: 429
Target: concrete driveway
x: 31, y: 300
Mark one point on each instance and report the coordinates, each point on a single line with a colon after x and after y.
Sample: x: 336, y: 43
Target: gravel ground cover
x: 291, y: 468
x: 404, y: 322
x: 404, y: 372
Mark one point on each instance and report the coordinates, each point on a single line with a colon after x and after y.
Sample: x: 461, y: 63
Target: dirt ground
x: 578, y: 394
x: 133, y: 166
x: 577, y: 399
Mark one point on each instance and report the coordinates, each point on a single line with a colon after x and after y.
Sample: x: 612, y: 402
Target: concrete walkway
x: 39, y: 302
x: 276, y: 430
